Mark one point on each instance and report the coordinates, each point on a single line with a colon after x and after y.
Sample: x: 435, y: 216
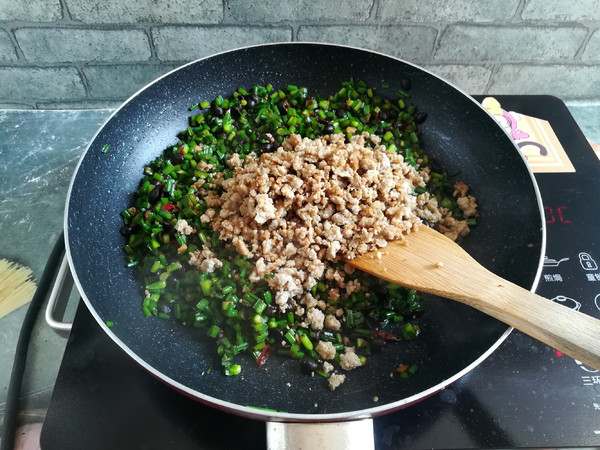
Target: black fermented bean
x: 217, y: 111
x: 277, y: 334
x: 282, y: 107
x: 405, y: 83
x: 270, y: 311
x: 267, y: 147
x: 155, y: 194
x: 420, y: 117
x: 177, y: 158
x: 308, y: 365
x: 399, y: 124
x: 289, y: 307
x: 169, y: 229
x: 268, y: 143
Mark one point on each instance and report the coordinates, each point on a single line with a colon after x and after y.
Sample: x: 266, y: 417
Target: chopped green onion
x: 234, y: 369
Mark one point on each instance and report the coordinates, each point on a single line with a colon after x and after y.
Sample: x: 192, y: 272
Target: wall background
x: 93, y: 53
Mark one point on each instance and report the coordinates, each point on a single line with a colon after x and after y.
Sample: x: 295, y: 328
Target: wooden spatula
x: 430, y: 262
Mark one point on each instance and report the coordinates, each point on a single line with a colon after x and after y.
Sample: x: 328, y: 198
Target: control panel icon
x: 567, y: 301
x: 587, y: 262
x: 551, y: 262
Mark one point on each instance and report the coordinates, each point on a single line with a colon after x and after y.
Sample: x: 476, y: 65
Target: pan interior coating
x: 458, y: 133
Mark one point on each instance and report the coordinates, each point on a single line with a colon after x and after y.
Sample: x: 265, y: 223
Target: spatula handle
x: 573, y: 333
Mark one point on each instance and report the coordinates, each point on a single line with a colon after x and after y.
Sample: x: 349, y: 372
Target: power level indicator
x: 556, y: 215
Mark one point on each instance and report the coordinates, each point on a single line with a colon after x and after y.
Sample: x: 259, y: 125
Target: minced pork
x: 312, y: 202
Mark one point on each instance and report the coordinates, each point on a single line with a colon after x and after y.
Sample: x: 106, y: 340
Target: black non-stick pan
x: 509, y: 238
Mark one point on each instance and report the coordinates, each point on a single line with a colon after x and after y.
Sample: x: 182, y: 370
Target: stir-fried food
x: 243, y: 227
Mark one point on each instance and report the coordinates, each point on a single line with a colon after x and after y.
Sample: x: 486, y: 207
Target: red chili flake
x: 386, y: 336
x: 182, y: 150
x: 176, y: 188
x: 402, y: 368
x: 169, y: 207
x: 266, y: 351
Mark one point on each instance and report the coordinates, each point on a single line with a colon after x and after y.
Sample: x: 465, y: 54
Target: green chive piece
x: 234, y: 369
x: 206, y: 286
x: 157, y: 285
x: 306, y: 342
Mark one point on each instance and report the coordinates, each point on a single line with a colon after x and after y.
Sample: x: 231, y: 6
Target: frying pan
x: 509, y: 238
